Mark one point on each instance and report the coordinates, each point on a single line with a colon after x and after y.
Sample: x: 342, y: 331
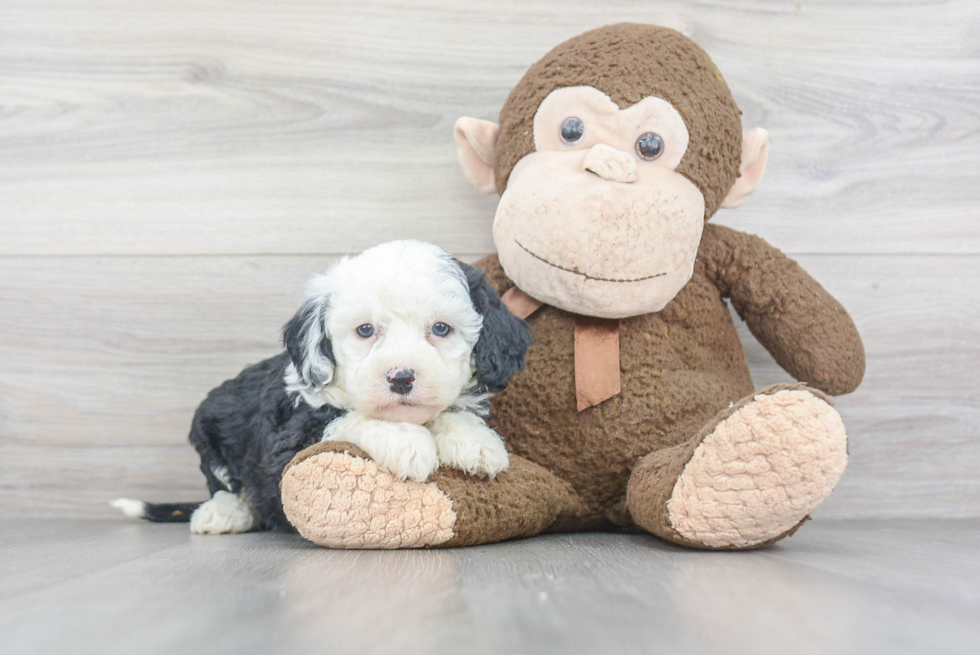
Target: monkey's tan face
x: 597, y: 221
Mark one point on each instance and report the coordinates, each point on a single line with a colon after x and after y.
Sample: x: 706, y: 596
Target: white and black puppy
x: 396, y: 350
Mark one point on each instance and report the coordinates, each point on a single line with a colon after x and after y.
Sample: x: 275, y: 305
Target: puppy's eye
x: 572, y: 130
x: 441, y: 330
x: 365, y: 331
x: 649, y: 146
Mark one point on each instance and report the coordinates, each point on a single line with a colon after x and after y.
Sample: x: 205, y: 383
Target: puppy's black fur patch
x: 308, y: 322
x: 169, y: 512
x: 504, y: 340
x: 252, y: 428
x: 248, y: 429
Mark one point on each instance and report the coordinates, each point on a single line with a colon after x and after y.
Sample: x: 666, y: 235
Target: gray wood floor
x: 100, y: 586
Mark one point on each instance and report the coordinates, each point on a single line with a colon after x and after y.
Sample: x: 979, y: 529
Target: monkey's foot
x: 336, y: 496
x: 750, y: 478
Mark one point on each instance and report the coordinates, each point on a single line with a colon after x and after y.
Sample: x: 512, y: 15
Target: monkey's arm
x: 805, y: 329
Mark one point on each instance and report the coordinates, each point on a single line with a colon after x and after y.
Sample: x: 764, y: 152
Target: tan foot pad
x: 340, y: 501
x: 760, y: 471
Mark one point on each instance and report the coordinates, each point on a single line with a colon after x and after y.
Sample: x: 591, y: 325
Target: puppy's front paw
x: 477, y: 452
x: 408, y: 452
x: 405, y: 449
x: 465, y: 442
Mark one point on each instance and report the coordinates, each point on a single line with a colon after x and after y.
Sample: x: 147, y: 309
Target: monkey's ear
x: 475, y: 143
x: 755, y: 153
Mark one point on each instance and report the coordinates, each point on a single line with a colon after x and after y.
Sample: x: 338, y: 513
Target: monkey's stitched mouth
x: 586, y: 275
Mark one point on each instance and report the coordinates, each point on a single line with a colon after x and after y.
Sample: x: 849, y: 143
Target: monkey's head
x: 611, y: 153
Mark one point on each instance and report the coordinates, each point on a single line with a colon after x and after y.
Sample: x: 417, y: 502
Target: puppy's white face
x: 402, y: 328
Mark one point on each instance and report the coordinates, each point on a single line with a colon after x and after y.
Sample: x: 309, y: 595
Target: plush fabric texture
x: 755, y: 156
x: 474, y: 145
x: 519, y: 303
x: 805, y: 329
x: 610, y: 164
x: 749, y: 477
x: 598, y: 248
x: 609, y: 132
x: 522, y: 501
x: 629, y: 62
x: 759, y: 470
x: 597, y: 377
x: 679, y: 368
x: 337, y: 497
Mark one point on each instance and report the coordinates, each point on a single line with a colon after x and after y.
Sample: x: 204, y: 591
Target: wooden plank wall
x: 171, y: 173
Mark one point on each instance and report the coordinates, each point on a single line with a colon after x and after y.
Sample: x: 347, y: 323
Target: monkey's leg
x: 749, y: 478
x: 336, y: 496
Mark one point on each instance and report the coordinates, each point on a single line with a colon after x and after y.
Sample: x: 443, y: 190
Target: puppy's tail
x: 157, y: 512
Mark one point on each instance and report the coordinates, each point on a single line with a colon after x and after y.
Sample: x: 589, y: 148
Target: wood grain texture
x: 135, y: 127
x: 171, y: 173
x: 124, y: 586
x: 106, y: 358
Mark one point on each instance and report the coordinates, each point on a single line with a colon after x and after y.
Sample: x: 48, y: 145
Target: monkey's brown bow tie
x: 597, y: 375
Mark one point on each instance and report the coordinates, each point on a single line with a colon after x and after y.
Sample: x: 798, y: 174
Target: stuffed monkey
x: 636, y: 408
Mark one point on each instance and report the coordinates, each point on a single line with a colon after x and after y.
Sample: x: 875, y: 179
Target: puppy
x: 396, y: 350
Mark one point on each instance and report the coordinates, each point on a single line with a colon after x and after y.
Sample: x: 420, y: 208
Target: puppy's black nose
x: 401, y: 381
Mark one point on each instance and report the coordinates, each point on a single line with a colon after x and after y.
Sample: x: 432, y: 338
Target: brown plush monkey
x: 636, y: 408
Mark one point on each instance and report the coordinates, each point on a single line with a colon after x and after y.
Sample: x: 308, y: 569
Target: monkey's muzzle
x: 610, y: 164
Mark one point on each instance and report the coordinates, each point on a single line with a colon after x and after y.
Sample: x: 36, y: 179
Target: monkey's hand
x: 805, y: 329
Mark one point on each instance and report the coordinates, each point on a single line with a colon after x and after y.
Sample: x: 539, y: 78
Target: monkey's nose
x: 610, y: 164
x: 401, y: 381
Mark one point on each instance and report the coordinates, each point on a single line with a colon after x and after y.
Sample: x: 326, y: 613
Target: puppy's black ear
x: 504, y: 339
x: 308, y: 344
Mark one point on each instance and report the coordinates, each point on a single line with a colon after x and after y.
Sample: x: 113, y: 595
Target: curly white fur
x: 400, y: 289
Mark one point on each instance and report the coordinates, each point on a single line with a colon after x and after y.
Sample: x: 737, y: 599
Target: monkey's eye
x: 572, y: 130
x: 441, y: 329
x: 365, y: 331
x: 649, y: 146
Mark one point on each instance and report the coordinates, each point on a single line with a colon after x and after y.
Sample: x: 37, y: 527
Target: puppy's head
x: 402, y: 332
